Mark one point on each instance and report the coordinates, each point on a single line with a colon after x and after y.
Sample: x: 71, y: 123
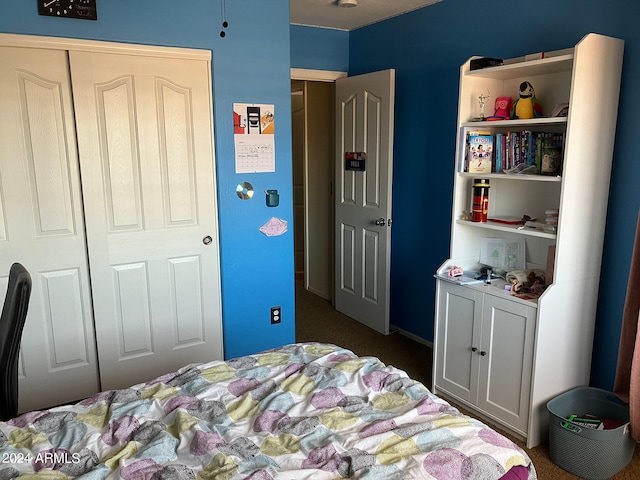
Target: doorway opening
x: 312, y: 114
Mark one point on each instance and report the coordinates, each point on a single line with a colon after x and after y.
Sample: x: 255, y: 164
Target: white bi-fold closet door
x: 42, y: 226
x: 108, y: 198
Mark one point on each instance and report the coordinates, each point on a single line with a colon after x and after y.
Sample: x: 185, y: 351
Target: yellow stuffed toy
x: 526, y: 106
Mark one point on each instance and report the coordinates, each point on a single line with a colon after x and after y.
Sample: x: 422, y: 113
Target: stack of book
x: 524, y: 148
x: 511, y: 152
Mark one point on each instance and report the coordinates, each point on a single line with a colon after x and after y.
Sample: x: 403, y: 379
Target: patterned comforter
x: 303, y: 411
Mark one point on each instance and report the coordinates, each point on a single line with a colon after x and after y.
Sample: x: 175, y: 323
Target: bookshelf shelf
x: 514, y: 177
x: 519, y: 68
x: 507, y: 228
x: 518, y: 124
x: 526, y: 330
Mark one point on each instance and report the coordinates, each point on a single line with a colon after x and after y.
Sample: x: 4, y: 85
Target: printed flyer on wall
x: 254, y: 139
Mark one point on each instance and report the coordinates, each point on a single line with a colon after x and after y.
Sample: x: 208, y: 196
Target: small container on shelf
x: 551, y: 220
x: 551, y: 217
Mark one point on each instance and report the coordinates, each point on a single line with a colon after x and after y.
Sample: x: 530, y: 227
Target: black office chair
x: 14, y: 314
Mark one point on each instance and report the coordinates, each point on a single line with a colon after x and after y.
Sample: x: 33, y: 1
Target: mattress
x: 302, y: 411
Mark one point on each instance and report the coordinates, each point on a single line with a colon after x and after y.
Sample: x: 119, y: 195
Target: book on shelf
x: 480, y: 152
x: 499, y: 152
x: 503, y: 151
x: 506, y: 219
x: 515, y: 142
x: 551, y: 261
x: 527, y: 148
x: 466, y: 133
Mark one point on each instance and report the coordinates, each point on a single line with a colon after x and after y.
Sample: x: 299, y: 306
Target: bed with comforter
x: 302, y: 411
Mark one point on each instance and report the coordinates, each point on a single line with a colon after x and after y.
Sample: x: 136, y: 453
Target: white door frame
x: 327, y: 76
x: 316, y: 75
x: 322, y: 76
x: 59, y: 43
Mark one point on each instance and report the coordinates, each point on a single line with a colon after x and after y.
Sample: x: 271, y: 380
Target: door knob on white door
x: 381, y: 222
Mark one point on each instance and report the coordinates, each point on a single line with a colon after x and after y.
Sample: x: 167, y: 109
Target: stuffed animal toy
x: 526, y: 281
x: 503, y: 109
x: 536, y: 282
x: 526, y: 106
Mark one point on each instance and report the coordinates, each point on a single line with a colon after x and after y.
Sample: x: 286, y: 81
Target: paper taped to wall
x: 274, y: 227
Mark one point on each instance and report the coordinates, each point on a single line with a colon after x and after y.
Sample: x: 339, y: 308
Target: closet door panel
x: 145, y: 141
x: 42, y: 226
x: 133, y: 322
x: 47, y: 154
x: 186, y: 298
x: 121, y: 165
x: 62, y: 296
x: 176, y: 154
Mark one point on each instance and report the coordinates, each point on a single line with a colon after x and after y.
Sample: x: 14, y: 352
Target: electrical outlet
x: 276, y: 315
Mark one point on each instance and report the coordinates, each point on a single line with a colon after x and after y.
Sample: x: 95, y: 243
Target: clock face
x: 84, y: 9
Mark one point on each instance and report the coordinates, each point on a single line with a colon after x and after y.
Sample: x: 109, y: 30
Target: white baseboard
x: 412, y: 336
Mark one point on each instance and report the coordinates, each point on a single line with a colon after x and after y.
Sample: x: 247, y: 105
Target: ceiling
x: 328, y: 14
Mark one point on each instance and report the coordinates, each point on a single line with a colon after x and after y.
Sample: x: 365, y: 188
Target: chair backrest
x: 14, y: 314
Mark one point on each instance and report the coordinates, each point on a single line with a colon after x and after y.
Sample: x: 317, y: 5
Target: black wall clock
x: 84, y: 9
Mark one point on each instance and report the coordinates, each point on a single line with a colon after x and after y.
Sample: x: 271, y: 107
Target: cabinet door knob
x: 483, y: 353
x: 474, y: 349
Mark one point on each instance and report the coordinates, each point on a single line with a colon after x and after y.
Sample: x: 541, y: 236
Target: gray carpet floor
x: 318, y: 321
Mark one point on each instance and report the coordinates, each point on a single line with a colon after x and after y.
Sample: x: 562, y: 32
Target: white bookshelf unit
x: 501, y: 356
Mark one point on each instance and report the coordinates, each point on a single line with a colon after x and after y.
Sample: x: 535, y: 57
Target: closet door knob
x: 474, y: 349
x: 483, y: 353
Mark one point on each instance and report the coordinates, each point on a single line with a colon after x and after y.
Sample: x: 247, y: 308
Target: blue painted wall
x: 250, y: 65
x: 319, y: 48
x: 427, y: 47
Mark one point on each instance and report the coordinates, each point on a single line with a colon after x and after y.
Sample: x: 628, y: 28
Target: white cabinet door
x: 458, y: 334
x: 42, y: 227
x: 508, y: 330
x: 146, y: 156
x: 484, y: 352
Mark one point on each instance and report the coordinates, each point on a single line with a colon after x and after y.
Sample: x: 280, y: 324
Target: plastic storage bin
x: 586, y: 452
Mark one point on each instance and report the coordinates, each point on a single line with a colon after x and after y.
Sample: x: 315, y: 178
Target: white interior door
x: 364, y: 123
x: 146, y: 155
x: 42, y: 227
